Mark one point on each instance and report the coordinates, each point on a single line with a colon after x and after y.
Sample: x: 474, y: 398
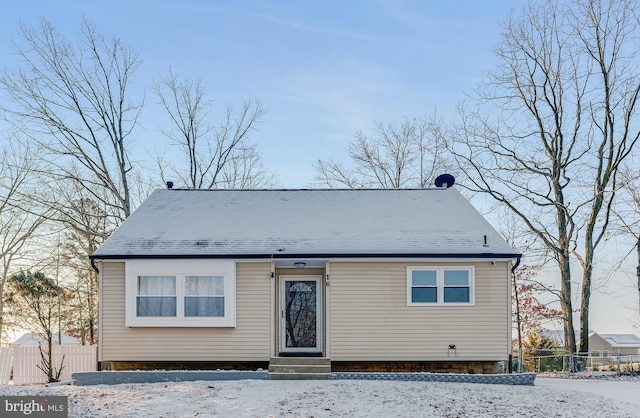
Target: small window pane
x: 204, y: 306
x: 456, y: 277
x: 157, y: 285
x: 456, y: 294
x: 156, y: 306
x: 424, y: 294
x: 204, y: 285
x: 423, y: 278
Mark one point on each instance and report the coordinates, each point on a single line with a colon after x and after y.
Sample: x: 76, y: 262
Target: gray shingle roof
x: 622, y: 340
x: 243, y: 223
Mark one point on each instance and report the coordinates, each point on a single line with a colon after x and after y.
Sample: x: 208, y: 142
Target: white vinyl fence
x: 20, y: 364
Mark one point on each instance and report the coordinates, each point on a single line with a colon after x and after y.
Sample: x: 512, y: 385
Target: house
x: 614, y: 344
x: 601, y: 345
x: 31, y: 339
x: 370, y: 279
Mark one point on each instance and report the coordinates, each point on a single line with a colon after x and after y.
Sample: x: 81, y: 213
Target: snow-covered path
x: 619, y: 390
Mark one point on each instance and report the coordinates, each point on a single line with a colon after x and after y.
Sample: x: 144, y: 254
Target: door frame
x: 282, y: 326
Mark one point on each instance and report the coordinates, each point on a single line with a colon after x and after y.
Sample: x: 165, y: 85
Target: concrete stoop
x: 299, y: 368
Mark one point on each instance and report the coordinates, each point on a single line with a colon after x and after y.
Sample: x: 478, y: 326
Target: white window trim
x: 440, y: 285
x: 180, y: 269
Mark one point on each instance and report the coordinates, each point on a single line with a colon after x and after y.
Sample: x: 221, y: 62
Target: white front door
x: 300, y: 314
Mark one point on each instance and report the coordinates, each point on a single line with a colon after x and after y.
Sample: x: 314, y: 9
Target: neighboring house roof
x: 311, y: 223
x: 615, y: 340
x: 622, y: 340
x: 30, y: 339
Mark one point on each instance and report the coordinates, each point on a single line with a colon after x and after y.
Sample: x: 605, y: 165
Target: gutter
x: 305, y: 255
x: 92, y: 260
x: 515, y: 266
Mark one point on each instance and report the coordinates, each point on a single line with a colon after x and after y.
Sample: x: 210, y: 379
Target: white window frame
x: 440, y: 285
x: 180, y: 269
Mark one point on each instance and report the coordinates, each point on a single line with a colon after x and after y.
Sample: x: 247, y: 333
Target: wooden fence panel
x: 6, y: 361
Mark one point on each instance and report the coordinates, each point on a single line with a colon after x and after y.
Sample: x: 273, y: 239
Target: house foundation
x: 467, y: 367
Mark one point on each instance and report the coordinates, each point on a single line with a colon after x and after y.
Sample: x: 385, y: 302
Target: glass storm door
x: 300, y: 306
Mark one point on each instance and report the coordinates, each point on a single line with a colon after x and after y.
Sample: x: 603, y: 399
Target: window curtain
x: 204, y: 296
x: 156, y: 296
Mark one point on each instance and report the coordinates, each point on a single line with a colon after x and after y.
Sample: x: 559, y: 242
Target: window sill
x: 181, y: 322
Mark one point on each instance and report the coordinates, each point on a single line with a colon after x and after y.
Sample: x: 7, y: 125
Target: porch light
x: 452, y: 351
x: 300, y: 264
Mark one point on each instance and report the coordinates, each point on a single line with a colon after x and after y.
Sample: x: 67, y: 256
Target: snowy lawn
x: 344, y: 398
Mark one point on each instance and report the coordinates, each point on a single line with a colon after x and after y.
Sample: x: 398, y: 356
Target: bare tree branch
x: 394, y: 156
x: 213, y: 156
x: 71, y: 100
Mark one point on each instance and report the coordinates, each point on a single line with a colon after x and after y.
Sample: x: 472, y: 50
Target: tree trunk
x: 584, y: 307
x: 638, y: 270
x: 518, y: 322
x: 565, y: 303
x: 50, y: 357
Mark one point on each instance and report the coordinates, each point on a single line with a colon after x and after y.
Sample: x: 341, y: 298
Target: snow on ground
x: 616, y: 389
x: 344, y: 398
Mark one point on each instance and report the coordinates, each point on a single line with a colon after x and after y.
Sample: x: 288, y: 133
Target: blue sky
x: 323, y: 70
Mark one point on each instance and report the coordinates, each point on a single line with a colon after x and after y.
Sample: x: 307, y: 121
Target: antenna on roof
x: 445, y: 180
x: 169, y: 185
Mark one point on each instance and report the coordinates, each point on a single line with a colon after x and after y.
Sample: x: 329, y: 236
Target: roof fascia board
x: 330, y: 257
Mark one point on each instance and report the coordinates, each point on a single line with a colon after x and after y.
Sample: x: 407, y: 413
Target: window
x: 204, y: 296
x: 156, y: 296
x: 180, y: 293
x: 440, y: 286
x: 424, y: 286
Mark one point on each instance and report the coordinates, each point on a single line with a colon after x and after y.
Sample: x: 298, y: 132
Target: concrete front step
x: 299, y: 368
x: 300, y: 360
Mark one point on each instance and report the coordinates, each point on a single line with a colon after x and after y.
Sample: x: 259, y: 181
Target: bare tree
x: 564, y: 107
x: 35, y: 300
x: 20, y: 217
x: 608, y: 32
x: 213, y: 156
x: 82, y: 237
x: 628, y: 214
x: 71, y: 99
x: 394, y: 156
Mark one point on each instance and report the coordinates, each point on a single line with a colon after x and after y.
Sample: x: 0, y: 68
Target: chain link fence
x: 550, y: 361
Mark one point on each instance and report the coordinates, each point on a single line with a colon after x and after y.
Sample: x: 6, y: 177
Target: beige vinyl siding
x: 597, y: 343
x: 370, y: 319
x: 250, y: 340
